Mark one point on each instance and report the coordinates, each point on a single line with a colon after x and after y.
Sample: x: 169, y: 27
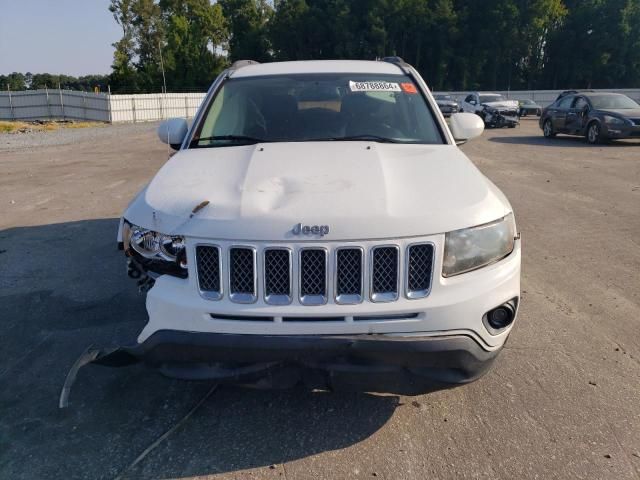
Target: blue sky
x: 73, y: 37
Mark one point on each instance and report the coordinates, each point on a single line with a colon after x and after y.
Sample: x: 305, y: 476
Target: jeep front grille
x: 277, y: 276
x: 208, y: 264
x: 384, y: 274
x: 419, y: 268
x: 314, y: 275
x: 242, y: 275
x: 349, y: 272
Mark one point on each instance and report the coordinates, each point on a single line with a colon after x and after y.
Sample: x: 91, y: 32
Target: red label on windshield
x: 408, y: 88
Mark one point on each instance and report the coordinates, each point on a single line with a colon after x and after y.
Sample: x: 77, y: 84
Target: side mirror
x: 173, y: 131
x: 465, y: 126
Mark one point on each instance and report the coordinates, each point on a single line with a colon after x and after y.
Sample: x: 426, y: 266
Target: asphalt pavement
x: 562, y: 402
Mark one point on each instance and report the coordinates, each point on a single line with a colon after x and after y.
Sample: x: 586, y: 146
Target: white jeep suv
x: 319, y: 225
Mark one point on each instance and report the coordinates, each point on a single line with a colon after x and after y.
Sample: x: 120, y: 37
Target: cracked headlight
x: 155, y: 251
x: 472, y: 248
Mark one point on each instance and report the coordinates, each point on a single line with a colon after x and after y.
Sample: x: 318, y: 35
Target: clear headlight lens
x: 152, y: 245
x: 472, y: 248
x: 613, y: 120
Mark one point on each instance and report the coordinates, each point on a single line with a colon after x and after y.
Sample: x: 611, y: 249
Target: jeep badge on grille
x: 321, y: 230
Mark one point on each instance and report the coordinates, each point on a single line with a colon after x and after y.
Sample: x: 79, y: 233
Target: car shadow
x: 64, y: 287
x: 559, y: 141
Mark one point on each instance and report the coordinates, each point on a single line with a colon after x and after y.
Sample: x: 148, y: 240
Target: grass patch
x: 44, y: 126
x: 82, y: 124
x: 10, y: 127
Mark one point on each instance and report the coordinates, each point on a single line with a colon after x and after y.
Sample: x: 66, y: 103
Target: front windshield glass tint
x: 612, y: 101
x: 491, y: 98
x: 322, y: 107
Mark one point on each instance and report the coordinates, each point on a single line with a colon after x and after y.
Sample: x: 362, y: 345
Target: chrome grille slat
x: 277, y: 276
x: 242, y: 274
x: 208, y: 271
x: 419, y: 270
x: 384, y: 273
x: 349, y: 275
x: 313, y: 276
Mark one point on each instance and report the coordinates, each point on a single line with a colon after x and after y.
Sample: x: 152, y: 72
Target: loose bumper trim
x: 407, y: 365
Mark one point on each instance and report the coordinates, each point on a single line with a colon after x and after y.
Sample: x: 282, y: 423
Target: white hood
x: 361, y: 190
x: 503, y: 105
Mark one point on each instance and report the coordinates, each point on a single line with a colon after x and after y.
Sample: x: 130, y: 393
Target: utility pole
x: 164, y: 80
x: 13, y: 115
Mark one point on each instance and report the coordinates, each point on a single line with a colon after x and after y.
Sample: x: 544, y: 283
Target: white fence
x: 102, y: 107
x: 54, y: 104
x: 154, y: 106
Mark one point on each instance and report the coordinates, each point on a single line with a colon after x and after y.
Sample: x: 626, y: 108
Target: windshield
x: 617, y: 101
x: 491, y: 98
x: 321, y: 107
x: 443, y: 97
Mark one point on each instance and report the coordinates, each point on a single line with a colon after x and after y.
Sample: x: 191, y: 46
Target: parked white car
x: 493, y: 108
x: 319, y: 224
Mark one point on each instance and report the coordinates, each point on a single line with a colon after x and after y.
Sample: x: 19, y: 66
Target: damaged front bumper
x: 406, y: 365
x: 499, y: 119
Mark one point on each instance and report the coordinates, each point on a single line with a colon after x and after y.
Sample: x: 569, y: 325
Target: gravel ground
x: 562, y: 401
x: 67, y: 136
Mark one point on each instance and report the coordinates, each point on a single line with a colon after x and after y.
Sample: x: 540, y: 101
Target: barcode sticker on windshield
x: 374, y: 87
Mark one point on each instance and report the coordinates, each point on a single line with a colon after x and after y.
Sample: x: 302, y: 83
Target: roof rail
x: 242, y: 63
x: 395, y: 60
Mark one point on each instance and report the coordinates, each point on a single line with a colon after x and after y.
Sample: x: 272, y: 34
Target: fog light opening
x: 501, y: 317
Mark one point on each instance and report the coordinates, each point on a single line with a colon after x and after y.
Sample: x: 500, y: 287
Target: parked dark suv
x: 598, y: 116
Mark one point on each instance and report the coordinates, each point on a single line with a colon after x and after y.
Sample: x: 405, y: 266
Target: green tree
x: 248, y: 22
x: 124, y: 75
x: 597, y: 46
x: 289, y: 38
x: 539, y: 20
x: 148, y: 27
x: 14, y: 81
x: 195, y: 36
x: 455, y: 44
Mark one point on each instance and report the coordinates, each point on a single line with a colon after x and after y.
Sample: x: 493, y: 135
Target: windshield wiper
x: 356, y: 138
x: 233, y: 138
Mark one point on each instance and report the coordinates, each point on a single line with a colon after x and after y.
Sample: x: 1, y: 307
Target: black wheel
x: 594, y: 135
x: 547, y: 129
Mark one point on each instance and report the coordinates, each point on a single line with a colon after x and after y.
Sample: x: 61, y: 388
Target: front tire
x: 594, y: 133
x: 547, y: 129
